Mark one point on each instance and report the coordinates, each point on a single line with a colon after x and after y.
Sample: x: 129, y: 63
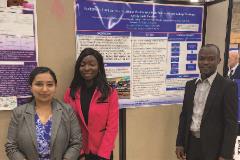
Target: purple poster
x: 17, y: 54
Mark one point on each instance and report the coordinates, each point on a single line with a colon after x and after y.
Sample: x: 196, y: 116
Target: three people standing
x: 207, y: 127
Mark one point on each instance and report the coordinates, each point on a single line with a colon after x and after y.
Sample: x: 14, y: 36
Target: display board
x: 149, y: 50
x: 17, y: 53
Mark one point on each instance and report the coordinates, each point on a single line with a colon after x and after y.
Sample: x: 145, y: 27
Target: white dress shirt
x: 200, y: 98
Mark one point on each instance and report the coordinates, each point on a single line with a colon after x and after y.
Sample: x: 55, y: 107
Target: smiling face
x: 208, y: 60
x: 43, y: 88
x: 89, y: 68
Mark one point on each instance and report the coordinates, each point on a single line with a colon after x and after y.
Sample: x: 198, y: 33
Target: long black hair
x: 100, y: 80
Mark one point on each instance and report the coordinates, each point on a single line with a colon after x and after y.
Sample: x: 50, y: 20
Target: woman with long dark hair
x: 96, y: 105
x: 45, y: 128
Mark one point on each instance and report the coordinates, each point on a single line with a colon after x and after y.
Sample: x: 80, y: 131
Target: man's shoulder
x: 237, y: 71
x: 224, y: 81
x: 191, y: 82
x: 238, y: 67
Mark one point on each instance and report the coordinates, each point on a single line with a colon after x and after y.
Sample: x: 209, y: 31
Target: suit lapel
x: 211, y: 96
x: 236, y: 73
x: 191, y: 96
x: 29, y: 117
x: 56, y: 119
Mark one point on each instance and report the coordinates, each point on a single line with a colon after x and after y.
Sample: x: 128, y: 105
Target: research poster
x: 149, y: 50
x: 17, y: 53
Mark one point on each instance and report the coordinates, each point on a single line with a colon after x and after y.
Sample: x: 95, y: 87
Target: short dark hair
x: 100, y: 80
x: 39, y: 70
x: 211, y: 46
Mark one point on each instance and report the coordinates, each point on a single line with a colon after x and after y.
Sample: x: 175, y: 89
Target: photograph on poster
x: 149, y: 50
x: 24, y: 3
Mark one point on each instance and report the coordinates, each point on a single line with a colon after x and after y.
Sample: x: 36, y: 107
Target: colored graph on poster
x: 149, y: 50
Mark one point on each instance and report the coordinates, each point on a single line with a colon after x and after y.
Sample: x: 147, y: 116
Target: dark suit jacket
x: 236, y: 74
x: 65, y: 137
x: 219, y: 126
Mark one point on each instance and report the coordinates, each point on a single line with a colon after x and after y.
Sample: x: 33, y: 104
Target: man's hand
x: 180, y: 153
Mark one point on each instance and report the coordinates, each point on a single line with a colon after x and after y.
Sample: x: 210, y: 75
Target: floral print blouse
x: 43, y: 134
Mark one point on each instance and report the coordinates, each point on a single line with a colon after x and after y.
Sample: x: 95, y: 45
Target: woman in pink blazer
x: 96, y: 105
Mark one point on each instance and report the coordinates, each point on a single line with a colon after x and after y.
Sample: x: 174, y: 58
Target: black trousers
x: 194, y: 151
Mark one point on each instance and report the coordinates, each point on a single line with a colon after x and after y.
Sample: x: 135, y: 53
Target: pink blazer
x: 99, y: 135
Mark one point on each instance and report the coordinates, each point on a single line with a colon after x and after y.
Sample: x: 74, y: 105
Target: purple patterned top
x: 43, y: 133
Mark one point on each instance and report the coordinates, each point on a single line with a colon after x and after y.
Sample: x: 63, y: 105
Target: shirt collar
x: 209, y: 79
x: 234, y: 68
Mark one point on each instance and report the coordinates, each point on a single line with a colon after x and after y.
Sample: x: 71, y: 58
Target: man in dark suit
x: 233, y: 64
x: 208, y: 121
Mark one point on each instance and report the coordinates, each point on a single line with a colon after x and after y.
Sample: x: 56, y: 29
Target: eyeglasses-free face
x: 89, y: 68
x: 208, y: 60
x: 43, y: 87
